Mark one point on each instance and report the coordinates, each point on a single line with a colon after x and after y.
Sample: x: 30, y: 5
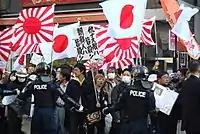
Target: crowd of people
x: 69, y: 100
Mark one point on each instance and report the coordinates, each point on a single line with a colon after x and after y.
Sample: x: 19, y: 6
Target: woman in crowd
x: 96, y: 102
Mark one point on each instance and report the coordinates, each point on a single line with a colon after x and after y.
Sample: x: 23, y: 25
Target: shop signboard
x: 32, y: 3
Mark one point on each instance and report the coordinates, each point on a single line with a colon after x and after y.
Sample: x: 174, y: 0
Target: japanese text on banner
x: 86, y: 43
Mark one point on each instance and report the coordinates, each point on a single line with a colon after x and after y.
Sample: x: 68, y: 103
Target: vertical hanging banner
x: 182, y: 59
x: 86, y: 43
x: 36, y: 59
x: 172, y: 41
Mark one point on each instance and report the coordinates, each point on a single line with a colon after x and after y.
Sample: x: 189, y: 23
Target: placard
x: 86, y: 43
x: 165, y: 98
x: 36, y: 59
x: 31, y: 3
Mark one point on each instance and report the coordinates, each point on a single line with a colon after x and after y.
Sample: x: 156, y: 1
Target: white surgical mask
x: 111, y: 75
x: 12, y: 78
x: 126, y: 79
x: 21, y: 79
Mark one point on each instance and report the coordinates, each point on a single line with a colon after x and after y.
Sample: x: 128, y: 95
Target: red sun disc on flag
x: 35, y: 25
x: 60, y: 43
x: 28, y: 28
x: 123, y: 48
x: 127, y: 16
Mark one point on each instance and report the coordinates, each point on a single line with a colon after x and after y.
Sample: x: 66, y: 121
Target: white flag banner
x: 165, y: 98
x: 36, y: 59
x: 46, y: 49
x: 125, y: 18
x: 63, y: 45
x: 86, y: 43
x: 181, y: 28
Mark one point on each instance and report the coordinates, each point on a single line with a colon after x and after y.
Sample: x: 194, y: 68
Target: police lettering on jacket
x: 40, y: 87
x: 137, y: 93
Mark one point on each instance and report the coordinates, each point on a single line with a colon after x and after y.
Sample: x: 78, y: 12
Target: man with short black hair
x: 64, y: 78
x: 191, y: 100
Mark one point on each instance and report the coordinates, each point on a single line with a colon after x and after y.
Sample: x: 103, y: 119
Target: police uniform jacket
x: 136, y: 103
x: 114, y: 97
x: 46, y: 94
x: 191, y: 104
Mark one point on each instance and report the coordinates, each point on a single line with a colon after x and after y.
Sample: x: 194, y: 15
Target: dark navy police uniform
x: 137, y: 102
x: 45, y: 96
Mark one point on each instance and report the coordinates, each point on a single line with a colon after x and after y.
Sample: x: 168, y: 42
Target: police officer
x: 45, y: 95
x: 137, y: 102
x: 4, y: 92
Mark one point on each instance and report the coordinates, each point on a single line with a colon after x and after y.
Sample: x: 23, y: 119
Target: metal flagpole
x: 175, y: 55
x: 156, y: 39
x: 51, y: 60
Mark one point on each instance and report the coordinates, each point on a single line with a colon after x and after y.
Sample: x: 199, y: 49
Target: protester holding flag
x: 96, y: 102
x: 78, y: 89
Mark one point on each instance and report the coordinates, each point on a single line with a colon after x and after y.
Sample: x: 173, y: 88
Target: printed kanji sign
x: 86, y: 43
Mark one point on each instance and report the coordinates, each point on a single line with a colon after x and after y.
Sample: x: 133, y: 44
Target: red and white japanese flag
x: 24, y: 50
x: 125, y: 17
x: 34, y: 25
x: 147, y: 26
x: 63, y: 45
x: 5, y: 43
x: 19, y: 62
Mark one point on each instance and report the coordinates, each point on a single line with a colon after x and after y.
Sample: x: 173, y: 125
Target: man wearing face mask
x: 4, y: 87
x: 126, y: 80
x: 136, y: 102
x: 18, y: 81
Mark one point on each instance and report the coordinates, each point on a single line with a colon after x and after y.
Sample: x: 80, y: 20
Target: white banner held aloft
x: 36, y: 59
x: 165, y: 98
x: 86, y: 42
